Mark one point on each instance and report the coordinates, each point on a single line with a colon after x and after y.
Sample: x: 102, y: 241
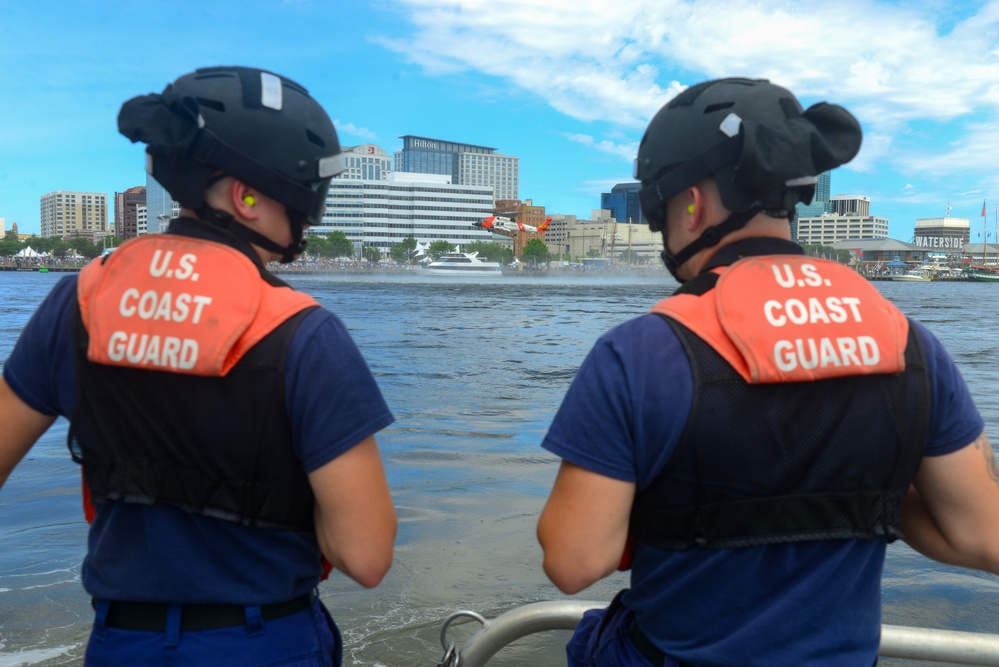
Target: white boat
x: 917, y: 275
x: 463, y: 264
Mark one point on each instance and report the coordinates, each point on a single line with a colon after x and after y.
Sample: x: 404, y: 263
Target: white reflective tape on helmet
x: 801, y: 180
x: 730, y: 126
x: 332, y: 165
x: 271, y: 92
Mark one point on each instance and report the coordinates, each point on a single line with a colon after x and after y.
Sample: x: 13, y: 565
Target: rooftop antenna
x: 947, y: 215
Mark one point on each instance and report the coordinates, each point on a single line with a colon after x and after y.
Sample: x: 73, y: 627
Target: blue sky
x: 566, y: 85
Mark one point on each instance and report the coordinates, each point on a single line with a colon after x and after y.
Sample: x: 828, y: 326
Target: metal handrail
x: 964, y: 648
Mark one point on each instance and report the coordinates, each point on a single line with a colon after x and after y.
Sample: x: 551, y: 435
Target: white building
x: 427, y: 207
x: 141, y: 221
x: 829, y: 228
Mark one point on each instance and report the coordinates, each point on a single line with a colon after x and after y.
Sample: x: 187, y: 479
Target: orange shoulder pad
x: 177, y: 304
x: 791, y: 318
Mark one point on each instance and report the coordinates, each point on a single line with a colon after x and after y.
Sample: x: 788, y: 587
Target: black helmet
x: 752, y: 136
x: 254, y: 125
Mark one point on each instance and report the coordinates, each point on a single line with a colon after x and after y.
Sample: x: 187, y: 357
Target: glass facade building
x: 466, y: 164
x: 622, y: 202
x: 820, y: 203
x: 160, y: 207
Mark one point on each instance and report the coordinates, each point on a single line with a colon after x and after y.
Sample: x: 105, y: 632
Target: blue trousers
x: 602, y: 640
x: 309, y: 638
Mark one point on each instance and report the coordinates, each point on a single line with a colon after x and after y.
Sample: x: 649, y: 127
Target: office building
x: 851, y: 205
x: 466, y: 164
x: 829, y: 228
x: 820, y: 203
x: 622, y: 202
x: 366, y: 162
x: 141, y: 226
x: 160, y: 206
x: 427, y: 207
x: 71, y: 214
x: 125, y: 211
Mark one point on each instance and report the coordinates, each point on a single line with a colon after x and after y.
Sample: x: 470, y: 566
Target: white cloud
x: 894, y: 65
x: 627, y: 151
x: 349, y: 128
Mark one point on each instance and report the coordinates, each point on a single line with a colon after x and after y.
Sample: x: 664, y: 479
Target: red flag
x: 983, y: 208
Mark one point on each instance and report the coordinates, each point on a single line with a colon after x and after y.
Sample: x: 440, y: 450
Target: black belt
x: 152, y: 616
x: 650, y: 651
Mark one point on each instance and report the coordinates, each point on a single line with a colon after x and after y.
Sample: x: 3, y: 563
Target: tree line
x: 329, y: 246
x: 56, y: 246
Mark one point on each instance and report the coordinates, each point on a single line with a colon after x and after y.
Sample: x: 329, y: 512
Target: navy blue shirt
x: 790, y: 604
x: 162, y: 554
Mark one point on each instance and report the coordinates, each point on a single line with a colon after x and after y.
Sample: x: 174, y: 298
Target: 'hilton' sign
x: 423, y: 143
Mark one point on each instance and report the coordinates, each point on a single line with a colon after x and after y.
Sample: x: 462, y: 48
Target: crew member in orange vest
x: 754, y: 442
x: 225, y: 423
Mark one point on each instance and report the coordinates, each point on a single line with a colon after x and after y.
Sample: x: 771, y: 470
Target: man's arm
x: 355, y: 518
x: 583, y: 527
x: 21, y: 427
x: 951, y: 513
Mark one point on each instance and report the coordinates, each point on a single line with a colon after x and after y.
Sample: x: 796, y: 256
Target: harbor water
x: 474, y: 372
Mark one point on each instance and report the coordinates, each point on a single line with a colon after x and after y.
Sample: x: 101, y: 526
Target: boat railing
x: 963, y: 648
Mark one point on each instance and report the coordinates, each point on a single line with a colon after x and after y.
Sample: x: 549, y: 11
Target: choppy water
x: 474, y: 373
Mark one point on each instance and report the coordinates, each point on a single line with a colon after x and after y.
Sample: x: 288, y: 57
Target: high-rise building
x: 70, y: 214
x: 126, y: 224
x: 622, y: 202
x: 366, y: 162
x: 466, y: 164
x: 423, y: 206
x: 160, y: 206
x: 820, y: 203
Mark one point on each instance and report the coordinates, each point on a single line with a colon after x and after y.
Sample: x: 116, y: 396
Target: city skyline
x: 568, y: 88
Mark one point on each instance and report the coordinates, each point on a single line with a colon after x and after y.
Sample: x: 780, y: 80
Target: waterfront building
x: 851, y: 205
x: 160, y: 207
x: 427, y: 207
x: 569, y: 237
x: 366, y: 162
x: 68, y: 214
x: 873, y: 251
x: 829, y: 228
x: 622, y: 202
x: 466, y: 164
x: 125, y: 205
x: 980, y: 254
x: 945, y: 234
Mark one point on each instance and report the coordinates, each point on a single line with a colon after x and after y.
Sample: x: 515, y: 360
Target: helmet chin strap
x: 226, y: 221
x: 708, y: 238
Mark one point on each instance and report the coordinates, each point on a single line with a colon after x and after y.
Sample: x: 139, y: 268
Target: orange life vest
x: 792, y: 318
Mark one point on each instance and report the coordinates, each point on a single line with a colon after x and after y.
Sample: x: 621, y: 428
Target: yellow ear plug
x: 690, y: 209
x: 251, y: 201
